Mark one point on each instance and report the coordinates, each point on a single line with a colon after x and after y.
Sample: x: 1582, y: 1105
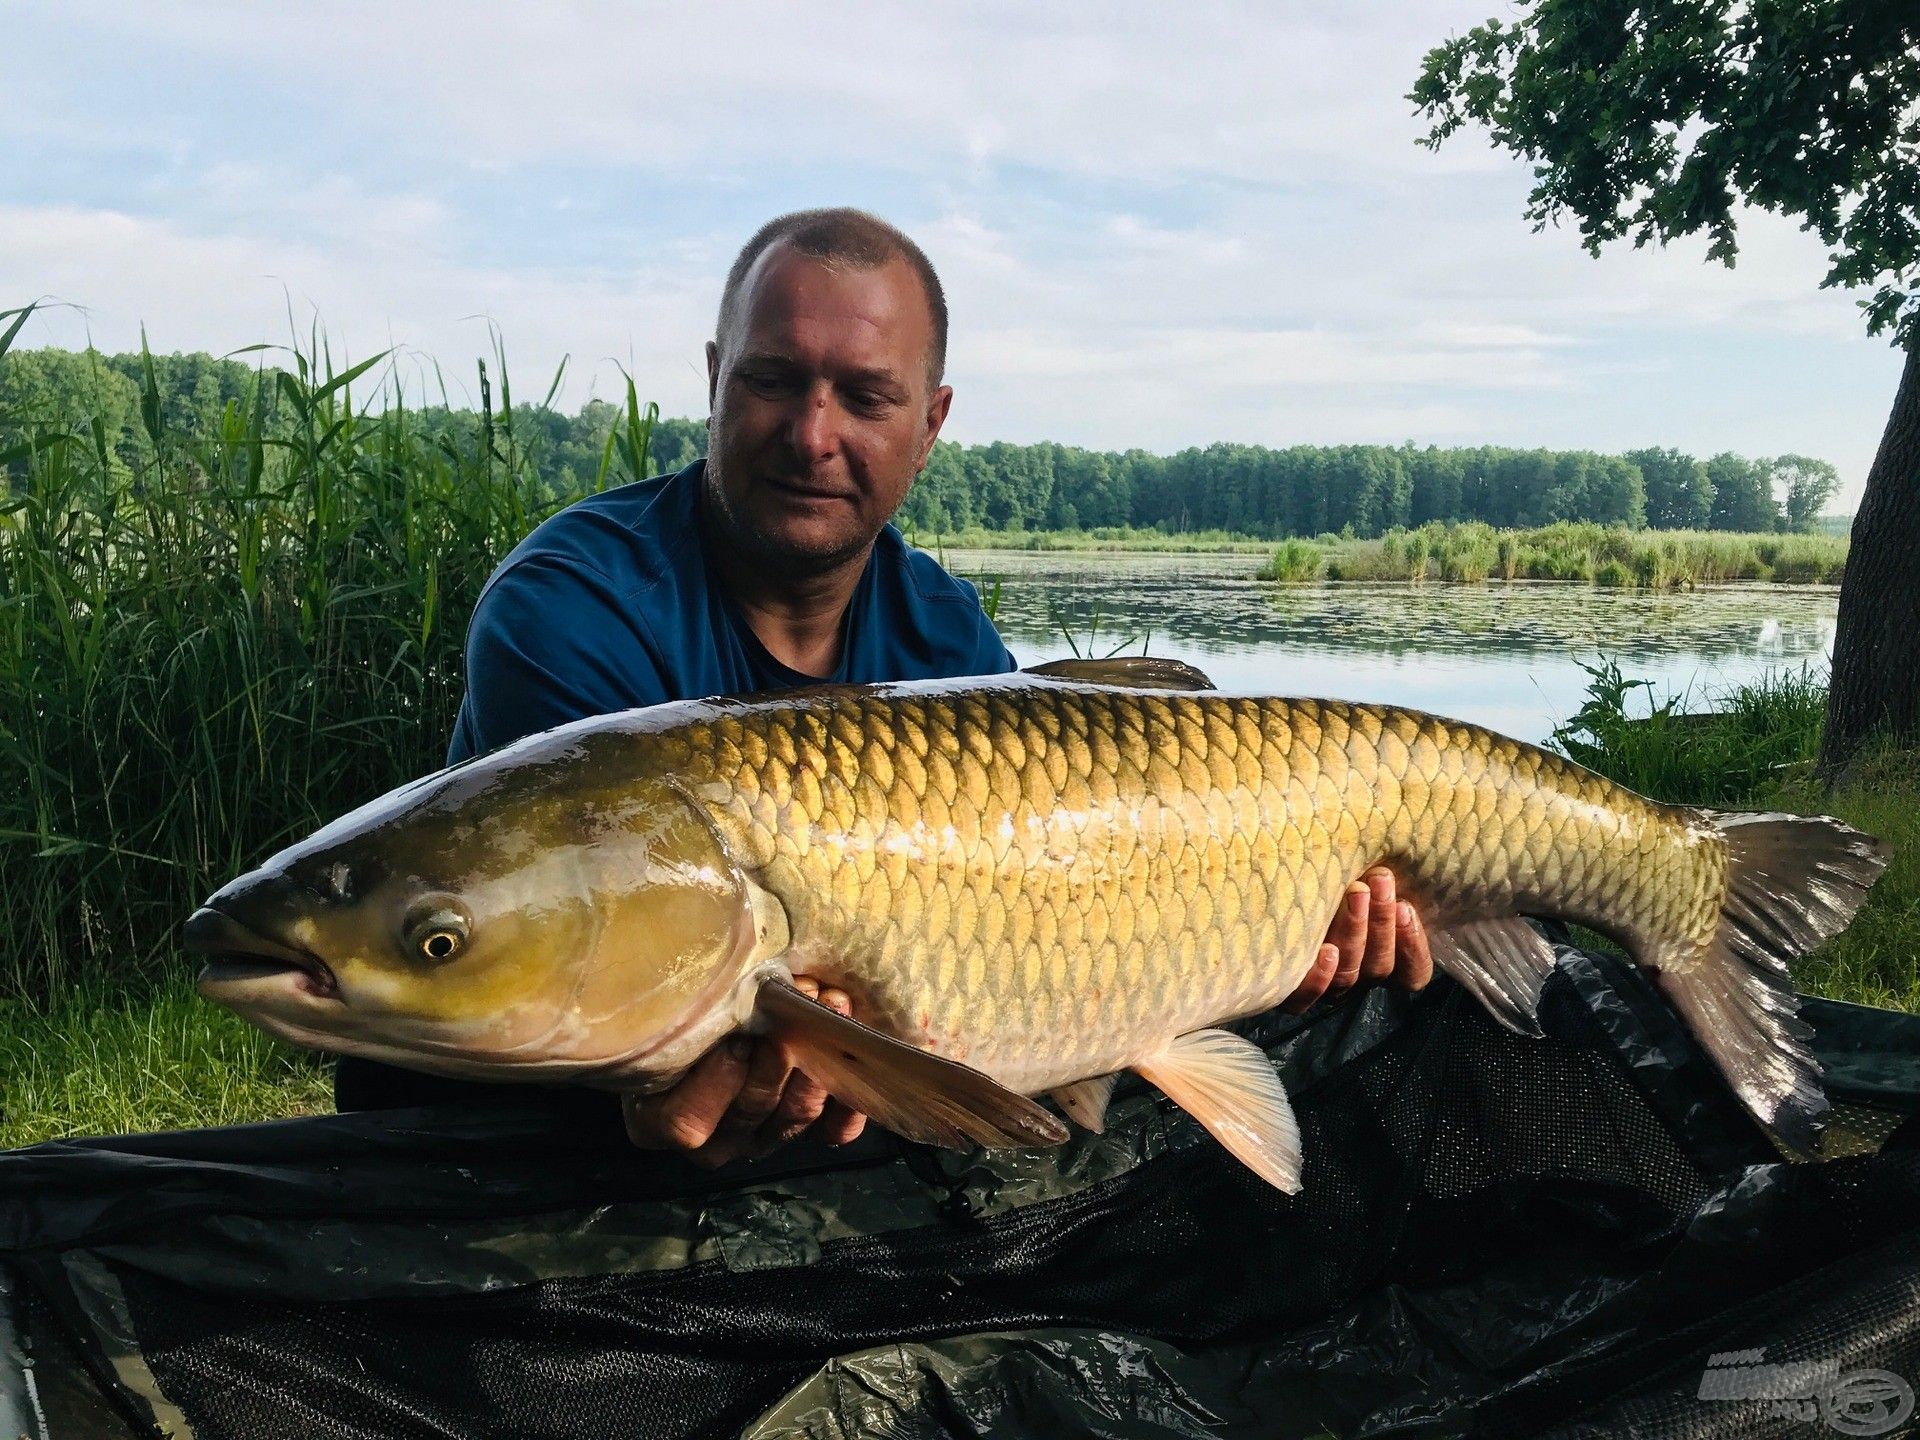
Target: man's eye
x: 867, y: 403
x: 763, y: 384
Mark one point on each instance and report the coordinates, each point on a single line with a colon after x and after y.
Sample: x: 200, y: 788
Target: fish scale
x: 983, y: 938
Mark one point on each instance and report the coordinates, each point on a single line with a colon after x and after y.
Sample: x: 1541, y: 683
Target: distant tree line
x: 1358, y: 490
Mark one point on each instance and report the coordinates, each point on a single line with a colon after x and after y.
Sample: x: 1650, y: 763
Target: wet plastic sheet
x: 1498, y: 1236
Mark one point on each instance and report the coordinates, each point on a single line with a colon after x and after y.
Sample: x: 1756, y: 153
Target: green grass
x: 125, y: 1062
x: 1296, y: 562
x: 1876, y: 961
x: 1470, y: 552
x: 1728, y: 749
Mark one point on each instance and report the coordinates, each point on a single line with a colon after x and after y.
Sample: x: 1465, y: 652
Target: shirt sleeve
x: 550, y: 642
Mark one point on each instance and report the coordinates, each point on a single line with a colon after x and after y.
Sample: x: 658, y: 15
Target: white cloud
x: 1239, y: 90
x: 112, y: 273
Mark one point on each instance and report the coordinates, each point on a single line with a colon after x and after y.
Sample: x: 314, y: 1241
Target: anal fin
x: 1502, y: 960
x: 915, y: 1094
x: 1230, y: 1087
x: 1085, y: 1101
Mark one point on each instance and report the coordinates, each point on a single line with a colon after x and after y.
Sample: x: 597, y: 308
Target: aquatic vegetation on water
x: 1295, y: 561
x: 1570, y: 551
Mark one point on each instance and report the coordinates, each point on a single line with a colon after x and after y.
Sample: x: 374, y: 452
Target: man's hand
x: 1376, y: 936
x: 743, y: 1098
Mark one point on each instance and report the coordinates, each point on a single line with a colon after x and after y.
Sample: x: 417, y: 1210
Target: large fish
x: 1027, y: 884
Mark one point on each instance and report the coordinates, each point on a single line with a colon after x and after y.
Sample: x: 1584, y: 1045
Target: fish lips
x: 244, y: 964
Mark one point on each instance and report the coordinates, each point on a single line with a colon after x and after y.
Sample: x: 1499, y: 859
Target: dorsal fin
x: 1130, y: 672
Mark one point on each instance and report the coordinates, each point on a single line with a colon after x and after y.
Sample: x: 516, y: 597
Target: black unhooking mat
x: 1498, y: 1236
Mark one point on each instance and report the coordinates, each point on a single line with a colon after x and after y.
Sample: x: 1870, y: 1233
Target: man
x: 772, y: 564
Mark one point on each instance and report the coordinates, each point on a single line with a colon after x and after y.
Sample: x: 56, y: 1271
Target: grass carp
x: 1027, y: 884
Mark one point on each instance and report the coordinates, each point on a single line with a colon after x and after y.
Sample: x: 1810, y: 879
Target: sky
x: 1158, y: 225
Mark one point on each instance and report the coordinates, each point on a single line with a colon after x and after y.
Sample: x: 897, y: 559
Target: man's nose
x: 816, y: 425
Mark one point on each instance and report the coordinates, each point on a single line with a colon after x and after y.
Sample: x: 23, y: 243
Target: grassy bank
x: 214, y: 637
x: 139, y: 1058
x: 1593, y: 554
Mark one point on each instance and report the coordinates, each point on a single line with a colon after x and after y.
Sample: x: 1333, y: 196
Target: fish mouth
x: 239, y: 956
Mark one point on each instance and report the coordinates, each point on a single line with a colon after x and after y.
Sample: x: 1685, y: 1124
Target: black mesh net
x: 1498, y: 1236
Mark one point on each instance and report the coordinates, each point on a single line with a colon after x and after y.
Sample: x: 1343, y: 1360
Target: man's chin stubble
x: 773, y: 553
x: 781, y: 556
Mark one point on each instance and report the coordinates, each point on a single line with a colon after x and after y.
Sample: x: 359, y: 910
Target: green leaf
x: 19, y: 319
x: 347, y: 377
x: 39, y: 444
x: 554, y: 388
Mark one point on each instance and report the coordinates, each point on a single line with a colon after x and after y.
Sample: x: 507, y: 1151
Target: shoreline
x: 969, y: 557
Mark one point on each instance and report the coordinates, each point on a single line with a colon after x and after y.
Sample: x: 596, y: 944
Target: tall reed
x: 212, y: 642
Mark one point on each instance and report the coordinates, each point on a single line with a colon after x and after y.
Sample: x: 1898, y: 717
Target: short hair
x: 842, y: 236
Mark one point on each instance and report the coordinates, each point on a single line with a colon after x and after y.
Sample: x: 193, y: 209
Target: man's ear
x: 713, y: 375
x: 938, y: 404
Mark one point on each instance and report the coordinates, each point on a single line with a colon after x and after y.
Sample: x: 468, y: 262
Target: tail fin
x: 1793, y: 881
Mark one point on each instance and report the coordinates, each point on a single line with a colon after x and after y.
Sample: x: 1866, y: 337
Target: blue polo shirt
x: 610, y: 604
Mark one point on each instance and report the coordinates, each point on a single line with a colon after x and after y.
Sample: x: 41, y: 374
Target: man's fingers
x: 1348, y: 933
x: 805, y: 1098
x: 633, y: 1113
x: 685, y: 1117
x: 1415, y: 967
x: 838, y: 1125
x: 760, y: 1095
x: 802, y: 1104
x: 1382, y: 914
x: 742, y: 1098
x: 1315, y: 982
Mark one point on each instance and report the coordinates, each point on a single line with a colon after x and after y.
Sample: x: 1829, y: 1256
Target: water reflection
x: 1505, y: 655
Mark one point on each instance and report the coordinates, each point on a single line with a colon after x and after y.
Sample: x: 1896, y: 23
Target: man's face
x: 823, y: 410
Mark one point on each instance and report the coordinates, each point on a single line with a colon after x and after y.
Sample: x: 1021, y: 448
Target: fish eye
x: 441, y: 944
x: 436, y: 930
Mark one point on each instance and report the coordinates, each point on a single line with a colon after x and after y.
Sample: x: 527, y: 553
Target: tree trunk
x: 1876, y: 646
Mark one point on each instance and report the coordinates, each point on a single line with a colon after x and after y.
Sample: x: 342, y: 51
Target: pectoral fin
x: 1229, y: 1086
x: 1085, y: 1101
x: 1503, y: 961
x: 913, y: 1093
x: 1133, y: 672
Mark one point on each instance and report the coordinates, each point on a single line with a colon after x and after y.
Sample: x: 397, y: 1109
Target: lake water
x: 1506, y: 655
